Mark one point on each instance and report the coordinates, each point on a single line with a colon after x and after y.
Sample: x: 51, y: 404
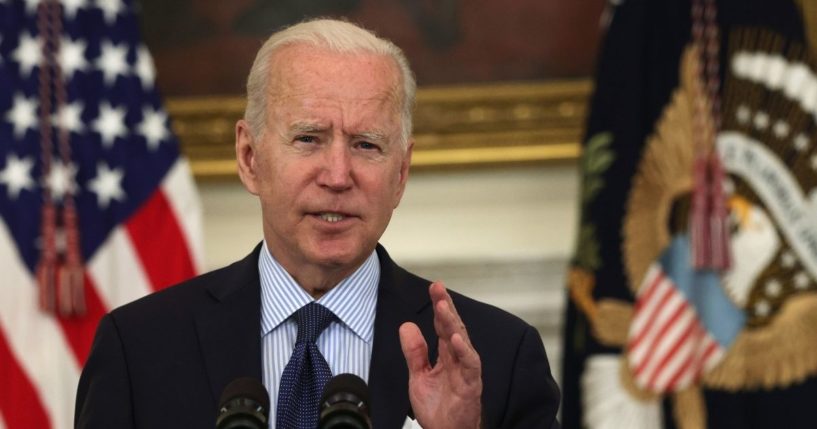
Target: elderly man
x: 326, y: 146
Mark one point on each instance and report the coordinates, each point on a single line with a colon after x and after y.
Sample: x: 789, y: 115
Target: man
x: 325, y: 144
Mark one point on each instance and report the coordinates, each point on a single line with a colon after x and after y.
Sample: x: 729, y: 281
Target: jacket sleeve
x: 104, y: 392
x: 534, y: 395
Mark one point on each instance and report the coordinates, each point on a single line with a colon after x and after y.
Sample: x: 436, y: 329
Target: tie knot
x: 312, y: 319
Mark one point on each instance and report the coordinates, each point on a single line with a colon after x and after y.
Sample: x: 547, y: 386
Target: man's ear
x: 404, y: 173
x: 245, y: 155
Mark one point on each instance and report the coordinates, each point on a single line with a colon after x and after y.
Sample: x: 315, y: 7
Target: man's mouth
x: 331, y: 217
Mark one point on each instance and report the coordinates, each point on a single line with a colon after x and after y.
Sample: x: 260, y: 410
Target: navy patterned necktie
x: 307, y: 372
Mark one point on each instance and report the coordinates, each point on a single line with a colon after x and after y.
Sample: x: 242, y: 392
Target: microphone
x: 244, y: 404
x: 345, y: 404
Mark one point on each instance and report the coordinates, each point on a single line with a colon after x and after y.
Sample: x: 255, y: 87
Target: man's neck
x: 316, y: 280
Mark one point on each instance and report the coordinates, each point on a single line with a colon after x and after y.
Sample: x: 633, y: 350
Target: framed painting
x: 499, y: 82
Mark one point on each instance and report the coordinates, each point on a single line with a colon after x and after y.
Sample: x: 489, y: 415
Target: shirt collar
x: 353, y: 300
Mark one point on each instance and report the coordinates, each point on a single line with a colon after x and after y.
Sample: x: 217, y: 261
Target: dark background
x: 206, y: 47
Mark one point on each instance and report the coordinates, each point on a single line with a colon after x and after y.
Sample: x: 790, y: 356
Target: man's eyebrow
x: 306, y: 127
x: 314, y: 127
x: 371, y: 135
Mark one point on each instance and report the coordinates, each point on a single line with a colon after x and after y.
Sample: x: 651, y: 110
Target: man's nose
x: 336, y: 172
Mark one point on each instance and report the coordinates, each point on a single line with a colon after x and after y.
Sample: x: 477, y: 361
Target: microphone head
x: 349, y: 384
x: 345, y: 404
x: 244, y: 404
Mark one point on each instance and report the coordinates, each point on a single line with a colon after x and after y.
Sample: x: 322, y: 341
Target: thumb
x: 414, y: 346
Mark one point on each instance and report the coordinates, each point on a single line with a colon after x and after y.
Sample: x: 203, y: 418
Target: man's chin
x: 346, y: 256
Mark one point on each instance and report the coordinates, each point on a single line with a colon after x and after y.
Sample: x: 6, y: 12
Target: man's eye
x: 306, y: 139
x: 368, y: 146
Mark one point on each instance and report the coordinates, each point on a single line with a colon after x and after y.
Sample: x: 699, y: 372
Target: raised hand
x: 447, y: 394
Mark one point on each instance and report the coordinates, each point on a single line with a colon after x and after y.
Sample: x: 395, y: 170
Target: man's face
x: 329, y: 168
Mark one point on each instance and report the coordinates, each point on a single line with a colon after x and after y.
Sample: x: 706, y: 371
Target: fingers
x: 414, y: 346
x: 454, y: 345
x: 438, y: 293
x: 465, y: 354
x: 447, y: 321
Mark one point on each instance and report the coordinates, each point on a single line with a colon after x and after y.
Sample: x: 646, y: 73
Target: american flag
x: 669, y: 347
x: 683, y: 322
x: 83, y: 131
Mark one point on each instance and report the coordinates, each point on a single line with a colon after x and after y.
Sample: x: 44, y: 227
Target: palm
x: 443, y: 397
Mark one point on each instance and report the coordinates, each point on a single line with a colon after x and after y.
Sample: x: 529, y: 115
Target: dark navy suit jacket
x: 162, y: 361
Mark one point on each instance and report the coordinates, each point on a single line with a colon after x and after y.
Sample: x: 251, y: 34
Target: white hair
x: 336, y: 36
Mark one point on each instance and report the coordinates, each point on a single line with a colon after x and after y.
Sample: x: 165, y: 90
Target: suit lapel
x: 230, y: 333
x: 401, y: 297
x: 230, y: 330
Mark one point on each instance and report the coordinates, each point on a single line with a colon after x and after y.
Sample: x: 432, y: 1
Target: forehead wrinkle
x: 280, y: 94
x: 292, y: 101
x: 358, y: 126
x: 285, y: 82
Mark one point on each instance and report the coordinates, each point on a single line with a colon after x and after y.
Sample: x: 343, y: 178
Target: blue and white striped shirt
x: 347, y: 346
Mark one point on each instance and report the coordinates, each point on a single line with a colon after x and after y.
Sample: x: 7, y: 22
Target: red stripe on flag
x: 713, y: 346
x: 647, y: 294
x: 79, y: 331
x: 705, y: 348
x: 662, y: 331
x: 19, y: 402
x: 703, y: 355
x: 669, y: 355
x: 687, y: 366
x: 649, y: 325
x: 160, y: 243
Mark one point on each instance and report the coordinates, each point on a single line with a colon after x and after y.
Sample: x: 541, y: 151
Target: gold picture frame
x: 454, y: 126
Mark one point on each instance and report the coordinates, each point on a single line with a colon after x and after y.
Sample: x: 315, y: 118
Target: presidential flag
x: 97, y: 205
x: 693, y: 289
